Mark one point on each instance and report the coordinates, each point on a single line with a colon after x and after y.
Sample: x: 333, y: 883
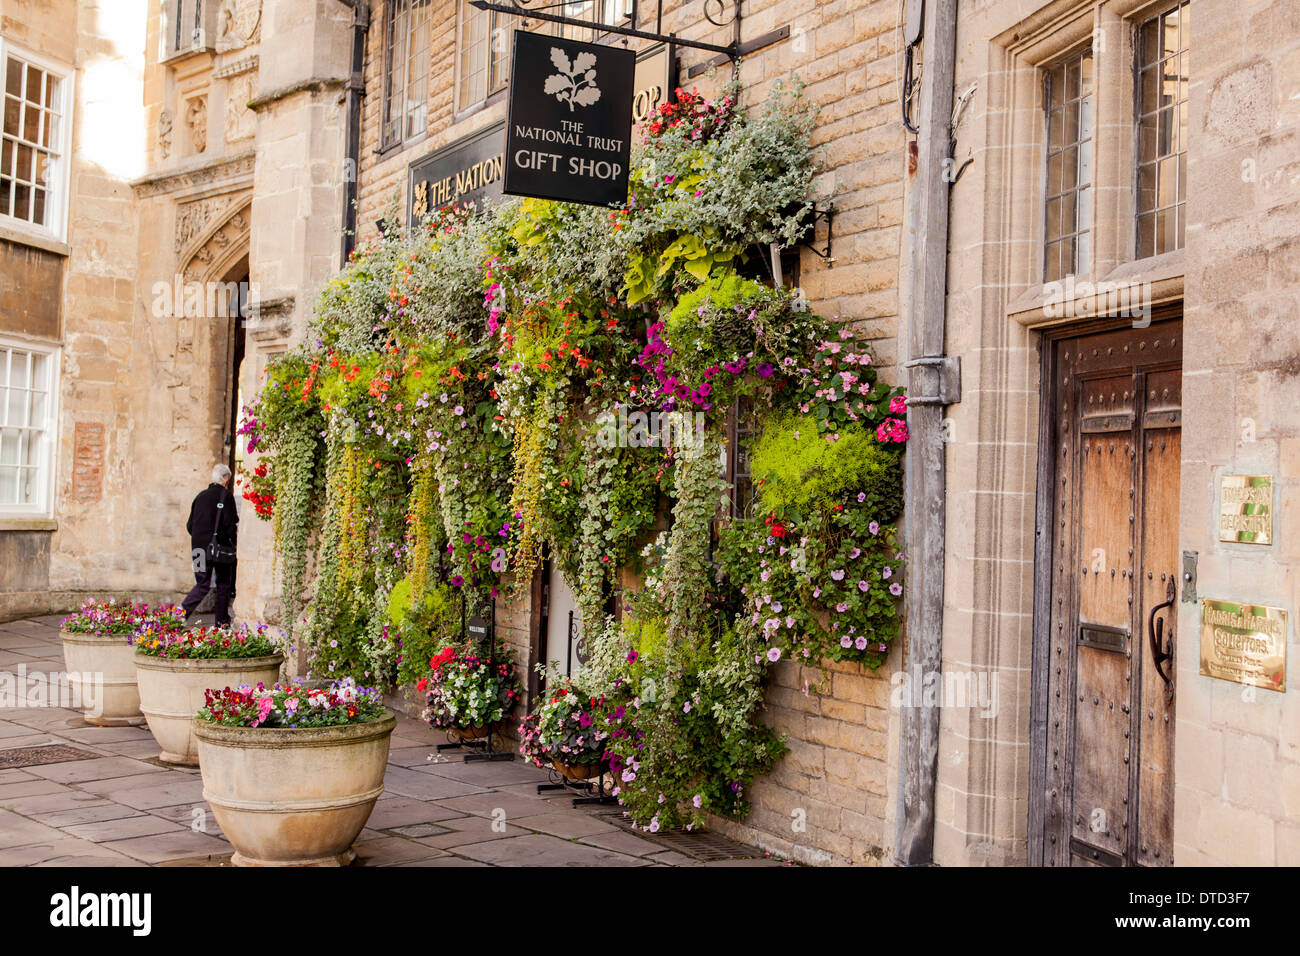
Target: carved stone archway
x: 212, y: 243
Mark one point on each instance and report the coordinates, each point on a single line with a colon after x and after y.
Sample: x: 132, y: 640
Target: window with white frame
x: 406, y: 70
x: 34, y: 149
x: 27, y: 378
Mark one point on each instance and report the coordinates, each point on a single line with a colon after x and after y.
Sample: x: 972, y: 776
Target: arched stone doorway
x: 216, y: 267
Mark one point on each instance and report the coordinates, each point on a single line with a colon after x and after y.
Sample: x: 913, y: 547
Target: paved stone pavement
x: 122, y: 808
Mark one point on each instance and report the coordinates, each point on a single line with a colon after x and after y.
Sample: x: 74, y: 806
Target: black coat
x: 203, y: 516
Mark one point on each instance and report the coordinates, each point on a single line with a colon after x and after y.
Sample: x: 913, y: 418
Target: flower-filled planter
x: 467, y: 694
x: 567, y: 732
x: 292, y: 771
x: 175, y: 669
x: 99, y: 653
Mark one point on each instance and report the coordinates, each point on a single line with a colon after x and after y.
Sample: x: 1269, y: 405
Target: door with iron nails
x: 1116, y: 456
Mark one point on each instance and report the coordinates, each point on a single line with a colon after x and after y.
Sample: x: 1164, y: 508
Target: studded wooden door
x: 1110, y: 715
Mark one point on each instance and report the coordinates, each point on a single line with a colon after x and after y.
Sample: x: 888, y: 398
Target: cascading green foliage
x: 544, y: 378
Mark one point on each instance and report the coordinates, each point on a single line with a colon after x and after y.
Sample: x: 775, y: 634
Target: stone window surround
x: 39, y: 517
x: 1055, y: 32
x: 61, y: 184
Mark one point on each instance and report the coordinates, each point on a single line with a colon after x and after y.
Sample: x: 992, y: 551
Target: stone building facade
x: 206, y: 146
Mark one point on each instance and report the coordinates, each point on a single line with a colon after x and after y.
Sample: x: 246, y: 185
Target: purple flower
x: 863, y: 585
x: 846, y: 641
x: 861, y: 643
x: 774, y: 654
x: 874, y: 527
x: 895, y: 589
x: 765, y: 370
x: 632, y: 656
x: 457, y: 581
x: 887, y: 573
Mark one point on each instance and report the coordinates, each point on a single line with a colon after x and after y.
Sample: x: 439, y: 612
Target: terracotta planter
x: 172, y: 690
x: 101, y: 673
x: 582, y: 771
x: 293, y: 797
x: 470, y: 733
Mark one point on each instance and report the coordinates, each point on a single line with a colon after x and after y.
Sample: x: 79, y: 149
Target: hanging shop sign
x: 1244, y: 643
x: 655, y: 81
x: 470, y: 170
x: 1246, y: 509
x: 568, y: 133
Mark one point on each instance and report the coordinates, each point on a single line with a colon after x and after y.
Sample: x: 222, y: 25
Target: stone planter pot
x: 293, y: 797
x: 101, y: 673
x: 172, y: 690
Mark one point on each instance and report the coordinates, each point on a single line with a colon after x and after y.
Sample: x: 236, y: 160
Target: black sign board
x: 468, y: 171
x: 479, y: 629
x: 568, y: 135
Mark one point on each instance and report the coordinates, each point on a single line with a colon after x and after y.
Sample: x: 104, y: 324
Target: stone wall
x: 837, y: 774
x: 1237, y: 767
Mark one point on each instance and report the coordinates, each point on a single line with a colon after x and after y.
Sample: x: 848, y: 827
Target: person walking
x: 213, y: 529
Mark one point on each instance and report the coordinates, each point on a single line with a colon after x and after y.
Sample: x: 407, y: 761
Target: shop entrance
x: 1106, y: 602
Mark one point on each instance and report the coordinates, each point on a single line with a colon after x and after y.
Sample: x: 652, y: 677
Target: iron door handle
x: 1159, y: 652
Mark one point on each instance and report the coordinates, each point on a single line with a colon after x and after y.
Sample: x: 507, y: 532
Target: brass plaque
x: 1245, y: 643
x: 1246, y: 509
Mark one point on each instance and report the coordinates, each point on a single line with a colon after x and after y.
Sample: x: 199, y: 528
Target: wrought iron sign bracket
x: 714, y: 11
x: 824, y: 214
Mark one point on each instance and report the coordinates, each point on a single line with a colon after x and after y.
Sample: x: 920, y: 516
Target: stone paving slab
x: 122, y: 808
x: 538, y: 849
x: 103, y: 831
x: 565, y: 824
x: 170, y: 846
x: 101, y: 768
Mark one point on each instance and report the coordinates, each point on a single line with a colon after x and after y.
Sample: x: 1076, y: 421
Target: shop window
x: 1162, y: 49
x: 33, y: 151
x: 406, y: 70
x: 26, y: 428
x: 1068, y: 96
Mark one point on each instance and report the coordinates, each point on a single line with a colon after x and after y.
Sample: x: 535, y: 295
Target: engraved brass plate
x: 1246, y: 509
x: 1244, y: 643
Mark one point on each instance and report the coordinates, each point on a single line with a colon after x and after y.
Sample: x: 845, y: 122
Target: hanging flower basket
x: 582, y: 771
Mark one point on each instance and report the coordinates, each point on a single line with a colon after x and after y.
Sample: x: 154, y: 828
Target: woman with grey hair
x: 213, y: 534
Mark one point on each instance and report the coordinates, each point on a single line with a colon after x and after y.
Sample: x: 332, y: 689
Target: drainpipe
x: 356, y: 89
x: 933, y: 383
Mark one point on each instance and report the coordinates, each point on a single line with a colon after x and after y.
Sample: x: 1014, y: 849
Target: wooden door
x: 1108, y: 794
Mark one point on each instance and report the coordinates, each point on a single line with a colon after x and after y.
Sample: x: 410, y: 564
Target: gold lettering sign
x: 1246, y: 509
x: 1244, y: 643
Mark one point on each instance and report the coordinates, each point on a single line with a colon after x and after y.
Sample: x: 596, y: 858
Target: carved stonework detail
x: 165, y: 134
x: 193, y: 217
x: 233, y: 233
x: 196, y: 120
x: 239, y: 24
x: 233, y: 173
x: 241, y: 122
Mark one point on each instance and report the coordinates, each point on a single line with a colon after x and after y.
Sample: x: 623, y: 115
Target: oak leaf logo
x: 575, y: 83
